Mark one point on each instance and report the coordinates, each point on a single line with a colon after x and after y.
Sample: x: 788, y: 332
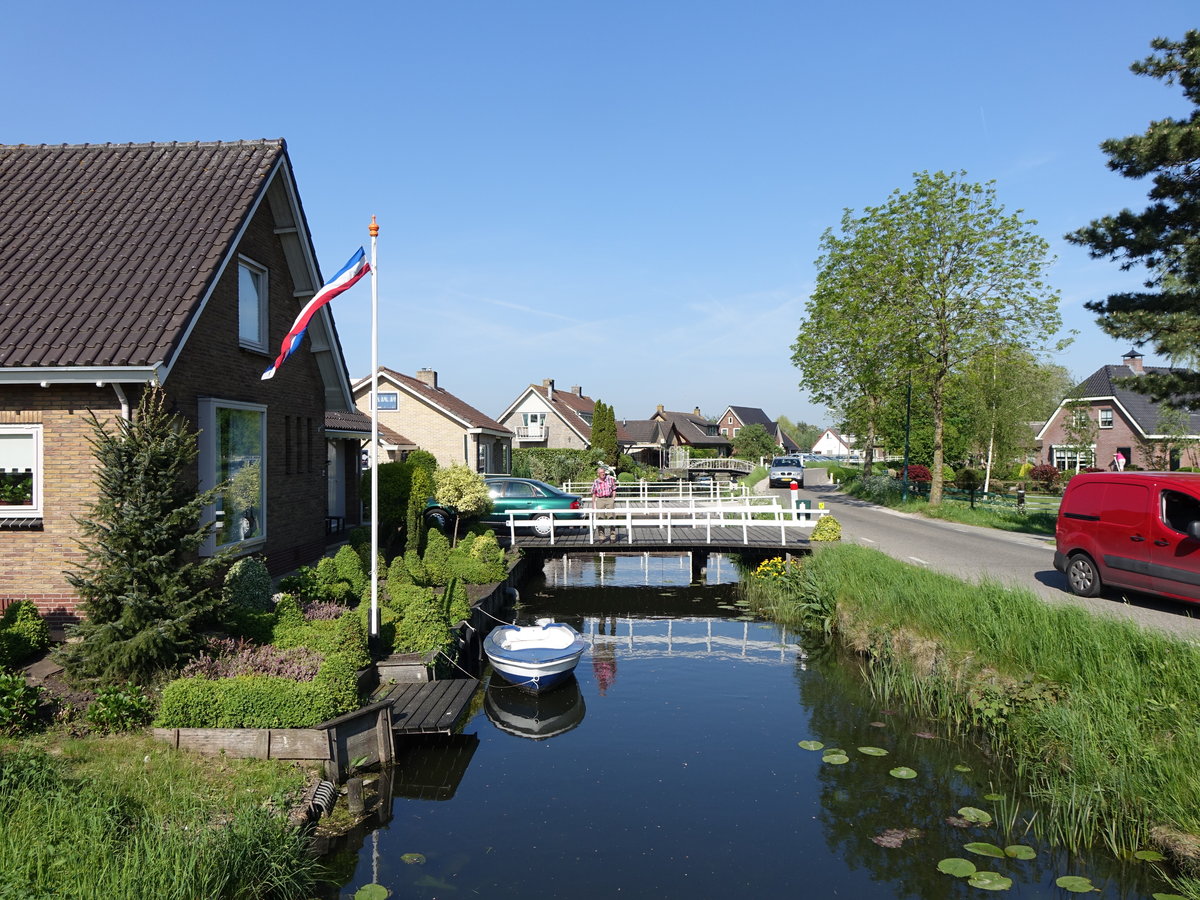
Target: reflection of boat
x: 545, y: 714
x: 534, y: 657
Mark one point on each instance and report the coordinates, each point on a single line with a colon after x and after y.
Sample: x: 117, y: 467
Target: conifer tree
x: 1165, y: 237
x: 146, y: 593
x: 604, y: 433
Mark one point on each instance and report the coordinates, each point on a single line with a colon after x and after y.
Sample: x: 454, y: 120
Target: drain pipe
x: 120, y: 392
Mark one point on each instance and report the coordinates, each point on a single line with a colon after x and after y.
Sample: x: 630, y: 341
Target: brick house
x: 735, y: 418
x: 693, y: 430
x: 417, y: 412
x: 184, y: 264
x: 1119, y: 419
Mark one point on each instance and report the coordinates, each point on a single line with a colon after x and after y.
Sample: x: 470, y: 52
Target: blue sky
x: 627, y: 196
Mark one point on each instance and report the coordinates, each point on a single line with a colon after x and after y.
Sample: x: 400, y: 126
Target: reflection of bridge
x: 692, y: 638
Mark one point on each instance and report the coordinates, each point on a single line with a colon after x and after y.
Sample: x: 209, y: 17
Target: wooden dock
x: 430, y: 707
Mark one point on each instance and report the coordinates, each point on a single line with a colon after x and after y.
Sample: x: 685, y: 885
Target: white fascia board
x: 520, y: 397
x: 1106, y: 398
x: 82, y: 375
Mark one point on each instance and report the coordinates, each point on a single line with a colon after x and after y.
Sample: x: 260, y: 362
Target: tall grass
x: 1095, y: 715
x: 135, y: 820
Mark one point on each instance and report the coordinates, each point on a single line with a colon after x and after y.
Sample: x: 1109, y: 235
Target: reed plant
x: 128, y: 818
x: 1094, y: 715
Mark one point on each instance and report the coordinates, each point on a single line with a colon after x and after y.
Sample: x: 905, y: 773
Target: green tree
x: 464, y: 491
x: 801, y: 432
x: 1164, y: 238
x: 926, y: 282
x: 604, y: 433
x: 754, y: 441
x: 146, y: 593
x: 419, y: 493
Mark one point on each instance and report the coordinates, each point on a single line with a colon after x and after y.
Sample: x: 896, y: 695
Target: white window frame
x: 384, y: 395
x: 259, y: 274
x: 35, y: 510
x: 1106, y: 413
x: 1068, y: 459
x: 207, y: 461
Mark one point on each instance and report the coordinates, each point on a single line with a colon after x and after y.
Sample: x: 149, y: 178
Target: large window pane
x: 251, y: 305
x: 239, y: 466
x: 18, y: 464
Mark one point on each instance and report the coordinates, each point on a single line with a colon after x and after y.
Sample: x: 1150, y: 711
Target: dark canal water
x: 671, y: 769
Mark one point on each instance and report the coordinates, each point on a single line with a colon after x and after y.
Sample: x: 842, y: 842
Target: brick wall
x: 1122, y: 434
x: 424, y: 425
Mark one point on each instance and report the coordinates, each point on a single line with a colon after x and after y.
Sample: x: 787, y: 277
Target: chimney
x: 576, y: 390
x: 548, y: 384
x: 427, y: 376
x: 696, y: 412
x: 1133, y: 359
x: 660, y: 407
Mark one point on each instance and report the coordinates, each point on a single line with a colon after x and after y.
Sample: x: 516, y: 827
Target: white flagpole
x: 374, y: 623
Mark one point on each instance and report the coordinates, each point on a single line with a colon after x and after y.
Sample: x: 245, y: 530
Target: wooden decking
x: 429, y: 707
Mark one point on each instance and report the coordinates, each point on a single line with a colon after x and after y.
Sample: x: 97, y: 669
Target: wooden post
x: 699, y: 563
x: 354, y: 796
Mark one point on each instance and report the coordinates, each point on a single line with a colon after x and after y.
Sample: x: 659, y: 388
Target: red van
x: 1134, y: 530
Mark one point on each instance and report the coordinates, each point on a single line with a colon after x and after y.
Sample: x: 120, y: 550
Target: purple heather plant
x: 322, y: 611
x: 228, y: 657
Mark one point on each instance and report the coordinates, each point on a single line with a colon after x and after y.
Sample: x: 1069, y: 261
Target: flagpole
x: 374, y: 623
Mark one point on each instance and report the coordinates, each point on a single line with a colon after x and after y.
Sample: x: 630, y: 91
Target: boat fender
x: 513, y: 593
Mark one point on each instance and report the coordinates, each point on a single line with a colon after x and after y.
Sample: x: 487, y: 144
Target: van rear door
x: 1175, y: 557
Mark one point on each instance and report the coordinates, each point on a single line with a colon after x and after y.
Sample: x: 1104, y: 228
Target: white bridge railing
x: 631, y: 518
x: 664, y: 489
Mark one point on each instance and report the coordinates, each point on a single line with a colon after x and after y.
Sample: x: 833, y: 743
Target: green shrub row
x: 23, y: 632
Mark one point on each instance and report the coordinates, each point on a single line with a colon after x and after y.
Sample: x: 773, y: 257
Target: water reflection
x: 539, y: 716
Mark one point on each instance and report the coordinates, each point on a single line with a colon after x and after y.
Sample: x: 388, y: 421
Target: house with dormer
x: 735, y: 418
x: 183, y: 264
x: 417, y: 412
x: 690, y: 430
x: 1114, y: 418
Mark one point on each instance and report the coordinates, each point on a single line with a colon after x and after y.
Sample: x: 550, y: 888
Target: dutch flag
x: 346, y: 277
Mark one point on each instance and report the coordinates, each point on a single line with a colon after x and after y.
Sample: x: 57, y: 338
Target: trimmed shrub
x: 248, y: 584
x: 408, y: 595
x: 350, y: 569
x: 288, y: 612
x: 388, y: 617
x: 249, y: 624
x: 423, y: 628
x: 919, y: 473
x: 827, y: 529
x: 23, y: 632
x: 1045, y: 477
x: 436, y: 558
x: 458, y: 605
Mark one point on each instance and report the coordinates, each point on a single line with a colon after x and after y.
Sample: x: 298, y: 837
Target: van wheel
x: 1082, y: 576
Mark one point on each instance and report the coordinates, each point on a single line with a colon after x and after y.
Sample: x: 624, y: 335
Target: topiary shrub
x: 458, y: 605
x: 408, y: 595
x: 248, y: 584
x: 351, y: 570
x: 827, y: 529
x: 423, y: 628
x: 436, y: 557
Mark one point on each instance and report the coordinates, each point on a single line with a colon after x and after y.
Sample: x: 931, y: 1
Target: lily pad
x: 811, y: 745
x: 981, y: 849
x: 835, y: 759
x: 978, y: 816
x: 1020, y: 851
x: 903, y: 772
x: 1149, y: 855
x: 962, y: 768
x: 927, y: 735
x: 1076, y: 884
x: 990, y: 881
x: 959, y: 868
x: 413, y: 859
x: 993, y: 797
x: 372, y: 892
x: 873, y: 751
x: 1161, y: 896
x: 877, y: 724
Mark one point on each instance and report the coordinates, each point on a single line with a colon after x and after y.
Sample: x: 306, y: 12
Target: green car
x: 528, y: 498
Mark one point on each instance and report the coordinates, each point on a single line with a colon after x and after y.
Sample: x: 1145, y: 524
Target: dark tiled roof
x: 693, y: 429
x: 348, y: 420
x: 752, y: 415
x: 107, y: 249
x: 1102, y: 383
x: 439, y: 396
x: 641, y: 431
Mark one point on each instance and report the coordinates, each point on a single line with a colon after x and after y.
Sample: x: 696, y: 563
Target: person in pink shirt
x: 604, y: 489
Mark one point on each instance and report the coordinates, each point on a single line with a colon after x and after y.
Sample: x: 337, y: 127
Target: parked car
x: 529, y: 499
x: 784, y: 470
x: 1134, y: 530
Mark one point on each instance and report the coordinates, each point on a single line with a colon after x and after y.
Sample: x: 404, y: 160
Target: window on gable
x: 389, y: 400
x: 20, y: 471
x: 252, y: 305
x: 1106, y: 418
x: 233, y: 454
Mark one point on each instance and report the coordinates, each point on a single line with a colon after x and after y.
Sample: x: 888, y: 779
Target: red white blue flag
x: 346, y: 277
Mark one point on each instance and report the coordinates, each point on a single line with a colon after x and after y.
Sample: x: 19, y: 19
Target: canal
x: 673, y: 768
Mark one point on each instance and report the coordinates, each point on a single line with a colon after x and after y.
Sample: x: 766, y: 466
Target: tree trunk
x: 935, y: 485
x: 987, y: 471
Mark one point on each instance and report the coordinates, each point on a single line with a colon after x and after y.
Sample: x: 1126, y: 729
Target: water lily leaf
x: 928, y: 735
x: 983, y: 849
x: 993, y: 797
x: 873, y: 751
x: 1020, y: 851
x: 413, y: 859
x: 877, y: 724
x: 990, y: 881
x: 1149, y: 855
x: 835, y: 759
x: 1076, y: 884
x: 962, y: 768
x: 372, y: 892
x: 959, y: 868
x: 902, y: 772
x: 978, y: 816
x: 1161, y: 896
x: 811, y: 745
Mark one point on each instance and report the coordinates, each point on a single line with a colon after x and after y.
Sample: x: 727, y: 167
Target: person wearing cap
x: 604, y: 489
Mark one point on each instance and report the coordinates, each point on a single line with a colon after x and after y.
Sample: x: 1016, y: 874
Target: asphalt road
x: 1018, y: 560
